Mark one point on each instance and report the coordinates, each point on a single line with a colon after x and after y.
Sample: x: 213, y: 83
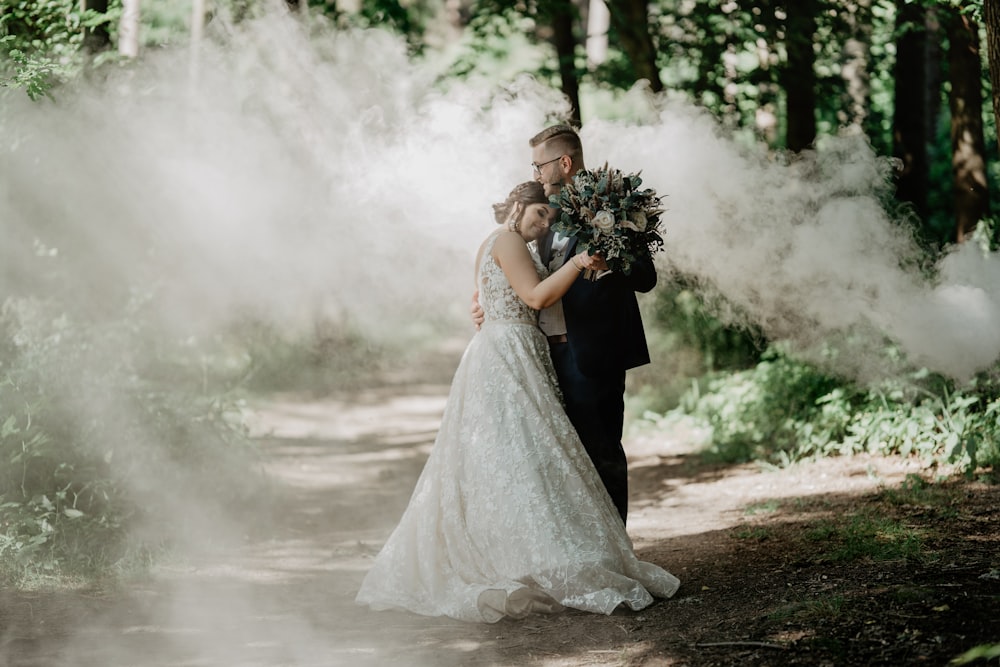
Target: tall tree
x: 562, y: 14
x: 128, y: 29
x: 630, y: 19
x: 598, y: 22
x: 934, y: 58
x: 798, y: 76
x: 991, y: 21
x: 910, y: 118
x: 966, y: 104
x: 96, y: 38
x: 855, y: 64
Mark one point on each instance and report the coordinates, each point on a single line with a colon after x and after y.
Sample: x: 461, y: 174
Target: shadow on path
x: 343, y: 469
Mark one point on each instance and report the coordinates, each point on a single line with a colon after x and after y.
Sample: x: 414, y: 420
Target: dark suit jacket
x: 603, y: 325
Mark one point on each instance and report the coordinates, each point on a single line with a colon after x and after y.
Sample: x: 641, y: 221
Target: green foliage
x: 687, y: 339
x: 330, y: 357
x: 99, y: 443
x: 691, y: 316
x: 775, y: 411
x: 41, y: 42
x: 34, y: 75
x: 783, y: 410
x: 866, y: 537
x: 981, y: 652
x: 409, y: 19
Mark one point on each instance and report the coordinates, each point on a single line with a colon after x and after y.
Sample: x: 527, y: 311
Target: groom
x: 595, y: 332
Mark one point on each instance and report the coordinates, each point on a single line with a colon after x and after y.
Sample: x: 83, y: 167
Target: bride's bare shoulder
x: 507, y: 240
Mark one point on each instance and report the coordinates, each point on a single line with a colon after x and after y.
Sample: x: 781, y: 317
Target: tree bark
x: 197, y: 21
x: 934, y: 57
x: 598, y: 22
x: 798, y: 77
x: 565, y: 43
x: 909, y: 123
x: 97, y: 38
x: 991, y: 19
x: 128, y: 29
x: 855, y: 62
x: 967, y: 142
x: 630, y: 19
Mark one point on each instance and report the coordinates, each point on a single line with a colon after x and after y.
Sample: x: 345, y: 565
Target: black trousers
x: 596, y: 407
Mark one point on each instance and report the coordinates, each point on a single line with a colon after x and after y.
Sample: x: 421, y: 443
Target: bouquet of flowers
x: 607, y: 213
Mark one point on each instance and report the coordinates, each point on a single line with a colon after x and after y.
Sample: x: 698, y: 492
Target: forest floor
x: 846, y: 561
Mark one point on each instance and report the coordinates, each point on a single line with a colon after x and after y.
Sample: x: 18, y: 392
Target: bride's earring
x: 514, y: 219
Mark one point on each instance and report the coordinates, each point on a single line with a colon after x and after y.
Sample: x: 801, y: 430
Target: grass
x: 867, y: 537
x: 766, y: 507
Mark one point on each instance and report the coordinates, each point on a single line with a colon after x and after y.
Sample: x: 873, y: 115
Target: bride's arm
x: 512, y: 255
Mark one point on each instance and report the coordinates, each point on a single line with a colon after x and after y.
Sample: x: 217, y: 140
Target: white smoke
x: 807, y: 250
x: 293, y: 169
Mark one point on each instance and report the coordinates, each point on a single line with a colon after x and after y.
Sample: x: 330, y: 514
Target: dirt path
x: 282, y: 594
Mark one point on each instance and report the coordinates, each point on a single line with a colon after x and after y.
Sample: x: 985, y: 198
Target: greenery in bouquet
x: 608, y: 213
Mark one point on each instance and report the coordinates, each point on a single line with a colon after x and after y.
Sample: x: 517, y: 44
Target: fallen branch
x: 757, y: 644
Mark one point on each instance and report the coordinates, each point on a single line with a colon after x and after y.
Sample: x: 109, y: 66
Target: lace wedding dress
x: 509, y: 516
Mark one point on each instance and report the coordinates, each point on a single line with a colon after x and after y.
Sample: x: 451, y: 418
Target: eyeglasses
x: 538, y: 167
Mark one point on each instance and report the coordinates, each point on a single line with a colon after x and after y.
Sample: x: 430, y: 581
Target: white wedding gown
x: 509, y: 515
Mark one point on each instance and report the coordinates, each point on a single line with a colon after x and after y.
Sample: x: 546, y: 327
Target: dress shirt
x: 551, y: 320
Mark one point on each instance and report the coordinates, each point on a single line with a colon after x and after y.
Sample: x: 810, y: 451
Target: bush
x: 99, y: 443
x: 783, y: 410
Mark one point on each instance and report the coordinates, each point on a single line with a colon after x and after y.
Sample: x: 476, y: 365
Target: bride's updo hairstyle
x: 529, y: 192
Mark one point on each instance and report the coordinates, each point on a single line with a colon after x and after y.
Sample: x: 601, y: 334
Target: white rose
x: 604, y: 221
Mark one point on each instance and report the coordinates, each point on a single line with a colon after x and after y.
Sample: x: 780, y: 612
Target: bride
x: 509, y: 516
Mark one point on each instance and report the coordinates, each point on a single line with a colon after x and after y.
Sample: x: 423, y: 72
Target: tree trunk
x: 798, y: 77
x: 991, y: 18
x: 909, y: 123
x: 197, y: 21
x: 598, y: 22
x: 128, y: 29
x: 934, y: 57
x: 197, y: 33
x: 565, y: 43
x: 631, y: 21
x: 855, y: 62
x: 97, y: 38
x: 967, y: 143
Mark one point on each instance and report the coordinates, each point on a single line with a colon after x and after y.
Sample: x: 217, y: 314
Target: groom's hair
x: 562, y: 138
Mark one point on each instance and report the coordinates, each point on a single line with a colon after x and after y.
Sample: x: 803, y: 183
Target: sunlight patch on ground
x: 723, y: 498
x: 338, y: 470
x: 338, y: 419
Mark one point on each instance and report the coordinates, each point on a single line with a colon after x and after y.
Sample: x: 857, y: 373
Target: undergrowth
x: 784, y: 410
x: 111, y: 445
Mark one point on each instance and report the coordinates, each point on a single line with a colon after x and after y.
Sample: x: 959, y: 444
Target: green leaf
x: 9, y: 427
